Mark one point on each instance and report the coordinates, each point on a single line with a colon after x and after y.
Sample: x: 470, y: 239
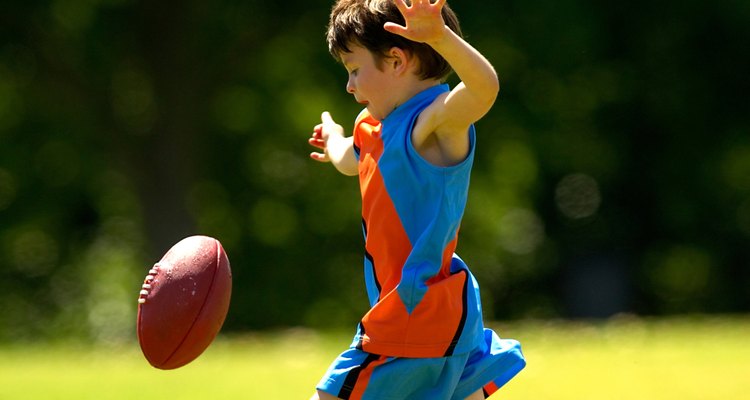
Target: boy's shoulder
x: 366, y: 128
x: 366, y: 117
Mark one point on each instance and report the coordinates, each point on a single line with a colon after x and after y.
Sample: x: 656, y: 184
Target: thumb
x: 395, y: 28
x: 326, y: 118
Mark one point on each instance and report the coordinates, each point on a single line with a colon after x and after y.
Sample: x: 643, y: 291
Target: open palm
x: 424, y: 21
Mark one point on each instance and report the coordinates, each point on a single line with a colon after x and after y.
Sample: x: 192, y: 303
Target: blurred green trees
x: 613, y: 174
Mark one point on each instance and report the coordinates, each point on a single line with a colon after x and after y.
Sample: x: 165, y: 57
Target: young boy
x: 412, y: 148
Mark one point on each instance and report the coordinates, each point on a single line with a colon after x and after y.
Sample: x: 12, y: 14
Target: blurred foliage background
x: 612, y: 175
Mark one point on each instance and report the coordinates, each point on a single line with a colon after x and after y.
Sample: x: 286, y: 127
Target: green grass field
x: 687, y: 358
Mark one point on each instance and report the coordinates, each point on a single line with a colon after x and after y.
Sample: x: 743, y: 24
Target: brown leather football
x: 183, y: 302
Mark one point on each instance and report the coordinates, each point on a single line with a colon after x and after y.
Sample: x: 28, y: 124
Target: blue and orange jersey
x: 424, y: 300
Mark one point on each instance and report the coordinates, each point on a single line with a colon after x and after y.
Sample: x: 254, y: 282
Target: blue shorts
x: 359, y: 375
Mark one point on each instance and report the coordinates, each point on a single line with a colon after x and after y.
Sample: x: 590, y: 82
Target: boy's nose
x: 350, y: 86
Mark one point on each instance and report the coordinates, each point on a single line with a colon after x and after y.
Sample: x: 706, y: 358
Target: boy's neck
x: 415, y: 87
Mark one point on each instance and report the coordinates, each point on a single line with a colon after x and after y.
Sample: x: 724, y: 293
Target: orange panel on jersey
x: 428, y: 330
x: 383, y: 223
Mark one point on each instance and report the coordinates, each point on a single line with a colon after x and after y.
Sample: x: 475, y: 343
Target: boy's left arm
x: 471, y: 99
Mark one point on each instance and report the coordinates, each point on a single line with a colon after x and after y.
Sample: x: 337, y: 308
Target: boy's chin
x: 377, y: 115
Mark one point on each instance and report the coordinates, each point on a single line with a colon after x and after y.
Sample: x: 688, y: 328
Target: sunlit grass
x: 686, y: 358
x: 626, y: 358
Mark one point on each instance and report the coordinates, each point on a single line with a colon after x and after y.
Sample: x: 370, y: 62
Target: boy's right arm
x: 337, y: 149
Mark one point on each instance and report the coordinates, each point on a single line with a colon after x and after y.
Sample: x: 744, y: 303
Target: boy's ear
x: 399, y: 61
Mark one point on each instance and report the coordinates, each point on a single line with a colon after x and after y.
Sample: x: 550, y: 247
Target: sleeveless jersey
x: 424, y: 300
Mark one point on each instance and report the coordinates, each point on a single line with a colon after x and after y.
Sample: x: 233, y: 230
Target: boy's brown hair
x: 361, y: 22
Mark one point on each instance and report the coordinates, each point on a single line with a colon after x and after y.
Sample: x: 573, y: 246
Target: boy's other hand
x: 424, y: 21
x: 317, y: 141
x: 321, y: 133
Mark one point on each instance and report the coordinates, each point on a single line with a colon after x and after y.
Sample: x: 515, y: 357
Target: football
x: 183, y: 302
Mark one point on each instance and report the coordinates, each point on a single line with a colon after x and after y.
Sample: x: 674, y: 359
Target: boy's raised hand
x: 424, y: 21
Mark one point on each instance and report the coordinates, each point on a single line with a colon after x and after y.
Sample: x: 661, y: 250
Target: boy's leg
x: 325, y: 396
x: 478, y: 395
x: 356, y: 374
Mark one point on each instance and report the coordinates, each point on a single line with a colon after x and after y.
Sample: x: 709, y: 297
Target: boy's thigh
x: 356, y: 374
x: 359, y: 375
x: 323, y: 396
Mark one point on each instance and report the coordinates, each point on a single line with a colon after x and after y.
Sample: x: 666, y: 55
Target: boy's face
x: 369, y: 81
